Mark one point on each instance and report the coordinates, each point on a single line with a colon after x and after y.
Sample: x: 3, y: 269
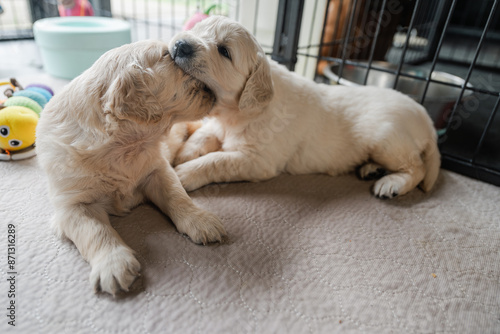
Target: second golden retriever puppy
x: 270, y: 120
x: 101, y: 142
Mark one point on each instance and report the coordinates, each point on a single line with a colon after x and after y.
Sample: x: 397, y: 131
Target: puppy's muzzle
x: 182, y: 49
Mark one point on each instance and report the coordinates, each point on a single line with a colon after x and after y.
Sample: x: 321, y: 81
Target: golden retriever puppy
x: 270, y: 120
x: 101, y: 142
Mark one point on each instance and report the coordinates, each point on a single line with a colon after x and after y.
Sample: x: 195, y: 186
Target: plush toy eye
x: 224, y: 52
x: 15, y: 143
x: 4, y: 131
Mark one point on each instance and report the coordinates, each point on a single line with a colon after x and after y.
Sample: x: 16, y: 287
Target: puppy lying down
x: 102, y: 143
x: 270, y: 120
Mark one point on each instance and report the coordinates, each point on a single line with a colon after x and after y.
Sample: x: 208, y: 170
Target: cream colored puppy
x: 270, y: 120
x: 101, y: 141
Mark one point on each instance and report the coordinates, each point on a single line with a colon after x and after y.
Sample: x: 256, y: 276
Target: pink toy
x: 198, y: 17
x: 75, y: 8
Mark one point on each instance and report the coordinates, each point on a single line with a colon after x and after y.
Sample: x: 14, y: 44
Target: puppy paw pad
x: 387, y: 187
x: 114, y: 271
x: 204, y: 228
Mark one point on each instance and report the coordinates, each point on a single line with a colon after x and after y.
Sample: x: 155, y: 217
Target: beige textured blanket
x: 307, y: 254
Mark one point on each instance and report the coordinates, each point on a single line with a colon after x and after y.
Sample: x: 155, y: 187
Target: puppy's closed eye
x: 224, y: 51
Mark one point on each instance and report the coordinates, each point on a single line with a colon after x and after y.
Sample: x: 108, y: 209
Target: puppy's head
x: 228, y: 59
x: 140, y: 83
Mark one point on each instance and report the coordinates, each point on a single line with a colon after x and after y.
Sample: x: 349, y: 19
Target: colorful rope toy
x: 19, y: 115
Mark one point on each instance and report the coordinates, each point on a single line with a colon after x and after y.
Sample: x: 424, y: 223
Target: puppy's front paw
x: 190, y: 176
x: 196, y: 148
x: 202, y: 227
x: 114, y: 271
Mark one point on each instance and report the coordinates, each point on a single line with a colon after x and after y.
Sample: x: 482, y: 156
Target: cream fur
x: 270, y: 120
x: 102, y: 142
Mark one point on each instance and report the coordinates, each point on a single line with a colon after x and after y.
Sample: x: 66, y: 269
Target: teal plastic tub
x: 70, y: 45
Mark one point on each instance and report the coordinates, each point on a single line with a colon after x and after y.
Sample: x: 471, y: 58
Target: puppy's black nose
x: 183, y: 49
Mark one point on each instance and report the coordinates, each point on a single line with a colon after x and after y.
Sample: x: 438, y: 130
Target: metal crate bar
x: 375, y: 39
x: 310, y: 38
x: 406, y: 44
x: 346, y: 41
x: 472, y: 66
x: 286, y: 38
x: 486, y: 130
x: 468, y: 168
x: 438, y: 49
x: 254, y: 29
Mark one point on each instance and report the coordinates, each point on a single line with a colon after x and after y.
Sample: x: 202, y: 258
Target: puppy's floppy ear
x: 129, y: 97
x: 258, y: 90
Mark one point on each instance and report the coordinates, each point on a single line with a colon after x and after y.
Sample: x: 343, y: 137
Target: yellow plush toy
x: 19, y: 116
x: 17, y: 132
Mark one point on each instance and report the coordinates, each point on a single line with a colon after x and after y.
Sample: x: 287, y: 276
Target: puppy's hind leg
x: 113, y: 263
x: 407, y: 171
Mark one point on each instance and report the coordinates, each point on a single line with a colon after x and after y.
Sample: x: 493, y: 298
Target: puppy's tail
x: 432, y: 162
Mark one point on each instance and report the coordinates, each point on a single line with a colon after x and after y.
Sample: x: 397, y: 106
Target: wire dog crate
x: 443, y: 53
